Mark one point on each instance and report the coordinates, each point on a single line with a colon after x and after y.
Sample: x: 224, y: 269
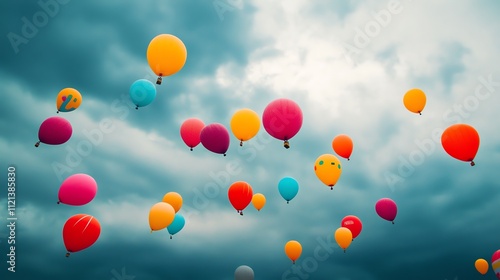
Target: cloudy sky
x: 346, y: 63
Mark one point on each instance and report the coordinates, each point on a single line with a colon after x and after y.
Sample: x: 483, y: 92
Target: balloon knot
x: 472, y: 163
x: 293, y: 262
x: 286, y: 144
x: 67, y: 254
x: 158, y: 81
x: 37, y: 144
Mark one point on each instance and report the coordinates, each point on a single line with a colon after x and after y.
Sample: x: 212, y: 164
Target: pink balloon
x: 215, y: 138
x: 54, y: 131
x: 387, y: 209
x: 282, y: 119
x: 190, y: 132
x: 77, y: 190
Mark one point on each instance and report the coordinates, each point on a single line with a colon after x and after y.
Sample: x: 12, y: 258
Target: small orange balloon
x: 461, y: 141
x: 174, y: 199
x: 342, y: 145
x: 481, y: 266
x: 258, y: 201
x: 414, y: 100
x: 293, y: 250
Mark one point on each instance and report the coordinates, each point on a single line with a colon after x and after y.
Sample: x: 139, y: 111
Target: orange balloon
x: 414, y: 100
x: 293, y: 249
x: 166, y: 55
x: 342, y: 145
x: 174, y: 199
x: 461, y: 141
x: 481, y: 266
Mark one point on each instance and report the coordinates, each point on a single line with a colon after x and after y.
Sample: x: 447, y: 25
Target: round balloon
x: 481, y: 266
x: 282, y: 119
x: 293, y: 250
x: 142, y: 93
x: 245, y: 124
x: 161, y: 215
x: 495, y: 263
x: 166, y: 55
x: 414, y: 100
x: 174, y: 199
x: 328, y: 169
x: 288, y: 188
x: 258, y: 201
x: 68, y: 100
x: 176, y: 225
x: 190, y: 132
x: 461, y: 141
x: 54, y: 131
x: 243, y: 272
x: 215, y: 138
x: 240, y: 195
x: 387, y: 209
x: 353, y: 223
x: 80, y: 232
x: 343, y: 236
x: 77, y: 189
x: 342, y: 145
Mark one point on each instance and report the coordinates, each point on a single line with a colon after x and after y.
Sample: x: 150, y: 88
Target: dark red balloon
x: 353, y: 223
x: 54, y: 131
x: 80, y: 232
x: 240, y: 195
x: 215, y: 138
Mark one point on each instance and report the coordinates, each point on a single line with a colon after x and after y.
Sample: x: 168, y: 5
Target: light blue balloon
x: 243, y: 272
x: 142, y: 93
x: 176, y: 225
x: 288, y: 188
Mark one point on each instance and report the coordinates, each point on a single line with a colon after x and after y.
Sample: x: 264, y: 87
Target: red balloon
x: 240, y: 195
x: 353, y: 223
x: 80, y: 232
x: 461, y: 141
x: 190, y: 132
x: 54, y: 131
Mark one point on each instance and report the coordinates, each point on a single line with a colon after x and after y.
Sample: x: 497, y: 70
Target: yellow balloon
x: 343, y: 236
x: 166, y: 55
x: 174, y: 199
x: 258, y: 201
x: 68, y: 100
x: 293, y: 249
x: 414, y: 100
x: 161, y: 215
x: 482, y: 266
x: 245, y: 124
x: 328, y: 169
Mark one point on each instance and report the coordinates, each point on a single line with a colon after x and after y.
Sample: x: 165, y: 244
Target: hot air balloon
x: 353, y: 223
x: 245, y: 124
x: 80, y: 232
x: 293, y: 250
x: 328, y: 170
x: 243, y: 272
x: 481, y: 266
x: 288, y: 188
x: 174, y: 199
x: 161, y: 215
x: 461, y: 141
x: 258, y: 201
x: 387, y: 209
x: 342, y: 145
x: 282, y: 119
x: 68, y: 99
x: 176, y: 225
x: 142, y: 92
x: 414, y: 100
x: 77, y: 189
x: 215, y: 138
x: 190, y: 132
x: 166, y: 55
x: 343, y: 236
x: 240, y: 195
x: 495, y: 263
x: 54, y: 131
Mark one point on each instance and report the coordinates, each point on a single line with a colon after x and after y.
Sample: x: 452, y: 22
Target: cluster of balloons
x: 483, y: 267
x: 165, y: 214
x: 57, y: 130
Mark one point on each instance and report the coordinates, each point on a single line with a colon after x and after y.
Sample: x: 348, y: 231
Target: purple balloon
x: 282, y: 119
x: 387, y: 209
x: 215, y: 138
x: 54, y: 131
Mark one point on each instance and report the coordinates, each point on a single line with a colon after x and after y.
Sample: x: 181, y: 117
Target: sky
x: 347, y: 64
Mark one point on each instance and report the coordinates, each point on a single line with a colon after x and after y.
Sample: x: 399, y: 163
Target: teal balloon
x: 142, y: 93
x: 176, y: 225
x: 288, y: 188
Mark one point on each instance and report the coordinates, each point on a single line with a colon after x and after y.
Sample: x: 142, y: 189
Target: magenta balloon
x: 215, y: 138
x: 77, y: 190
x: 282, y: 118
x: 55, y: 131
x: 190, y: 132
x: 387, y: 209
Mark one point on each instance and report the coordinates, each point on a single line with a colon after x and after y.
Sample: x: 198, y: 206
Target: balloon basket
x: 392, y: 222
x: 286, y: 144
x: 159, y: 80
x: 191, y: 149
x: 136, y: 107
x: 472, y: 163
x: 67, y: 255
x: 37, y: 144
x: 241, y: 213
x: 241, y: 143
x: 57, y: 111
x: 224, y: 154
x: 170, y: 236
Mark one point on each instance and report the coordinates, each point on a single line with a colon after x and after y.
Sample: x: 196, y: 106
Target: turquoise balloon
x: 142, y: 93
x: 288, y: 188
x: 176, y: 225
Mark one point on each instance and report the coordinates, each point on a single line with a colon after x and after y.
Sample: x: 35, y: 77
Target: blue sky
x: 346, y: 63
